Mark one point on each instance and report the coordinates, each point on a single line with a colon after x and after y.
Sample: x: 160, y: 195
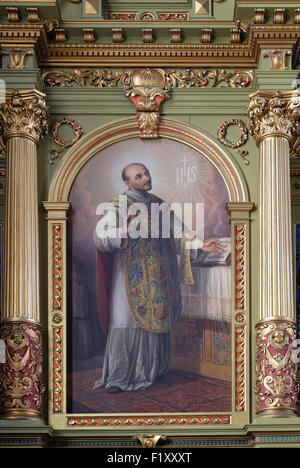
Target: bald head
x: 137, y: 177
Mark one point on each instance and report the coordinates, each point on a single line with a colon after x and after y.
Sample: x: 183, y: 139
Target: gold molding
x: 57, y: 213
x: 68, y: 54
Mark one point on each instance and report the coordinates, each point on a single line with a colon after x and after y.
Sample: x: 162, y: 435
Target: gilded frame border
x: 57, y: 207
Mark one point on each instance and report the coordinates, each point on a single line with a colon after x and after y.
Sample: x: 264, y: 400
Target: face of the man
x: 139, y: 178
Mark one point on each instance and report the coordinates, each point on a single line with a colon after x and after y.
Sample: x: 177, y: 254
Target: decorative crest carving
x: 147, y: 99
x: 150, y: 441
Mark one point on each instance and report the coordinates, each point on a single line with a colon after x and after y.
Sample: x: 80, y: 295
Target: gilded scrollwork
x: 94, y: 78
x: 175, y: 78
x: 240, y: 367
x: 57, y: 307
x: 57, y: 266
x: 275, y: 367
x: 240, y: 267
x: 120, y: 421
x: 57, y: 368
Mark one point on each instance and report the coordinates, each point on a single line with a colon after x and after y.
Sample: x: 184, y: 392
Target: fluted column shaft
x: 276, y: 298
x: 21, y: 291
x: 24, y: 120
x: 273, y: 118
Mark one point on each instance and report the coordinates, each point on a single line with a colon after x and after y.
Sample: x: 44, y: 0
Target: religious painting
x: 149, y: 282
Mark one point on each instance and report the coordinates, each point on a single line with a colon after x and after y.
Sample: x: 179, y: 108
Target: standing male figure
x: 145, y: 300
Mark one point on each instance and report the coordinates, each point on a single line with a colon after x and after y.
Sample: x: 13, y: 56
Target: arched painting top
x: 107, y: 135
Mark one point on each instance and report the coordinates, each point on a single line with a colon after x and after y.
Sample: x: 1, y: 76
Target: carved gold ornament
x: 182, y: 79
x: 206, y: 35
x: 57, y: 307
x: 147, y: 102
x: 121, y: 421
x: 279, y: 16
x: 13, y: 15
x: 33, y: 15
x: 2, y: 148
x: 122, y: 16
x: 297, y: 16
x: 146, y: 88
x: 17, y: 57
x: 89, y: 35
x: 240, y: 367
x: 24, y: 113
x: 150, y: 441
x: 278, y: 58
x: 275, y: 369
x: 21, y: 388
x: 77, y: 130
x: 240, y: 266
x: 259, y: 15
x: 274, y: 115
x: 222, y: 132
x: 117, y: 35
x: 173, y: 16
x: 147, y: 16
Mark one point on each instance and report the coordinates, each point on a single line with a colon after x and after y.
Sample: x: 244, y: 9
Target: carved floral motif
x: 275, y: 369
x: 277, y: 115
x: 24, y: 113
x: 147, y: 102
x: 21, y: 388
x: 182, y: 79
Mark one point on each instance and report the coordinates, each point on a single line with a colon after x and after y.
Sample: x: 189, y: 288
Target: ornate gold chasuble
x: 152, y: 279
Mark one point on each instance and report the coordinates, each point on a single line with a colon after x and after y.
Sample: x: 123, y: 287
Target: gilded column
x: 273, y: 119
x: 23, y: 119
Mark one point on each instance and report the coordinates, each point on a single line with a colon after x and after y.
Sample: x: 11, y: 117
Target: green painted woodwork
x: 204, y: 108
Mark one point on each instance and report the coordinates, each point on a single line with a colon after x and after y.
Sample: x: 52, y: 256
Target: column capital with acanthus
x: 24, y: 114
x: 274, y: 114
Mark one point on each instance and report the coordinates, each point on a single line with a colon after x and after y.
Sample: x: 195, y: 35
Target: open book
x: 208, y: 259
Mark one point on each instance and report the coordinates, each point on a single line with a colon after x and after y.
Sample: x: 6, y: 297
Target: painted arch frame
x: 58, y: 206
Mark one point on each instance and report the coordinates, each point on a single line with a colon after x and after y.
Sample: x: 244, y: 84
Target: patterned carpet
x: 178, y: 392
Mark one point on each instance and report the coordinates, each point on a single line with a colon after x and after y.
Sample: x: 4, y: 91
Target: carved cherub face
x: 278, y: 338
x: 17, y: 339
